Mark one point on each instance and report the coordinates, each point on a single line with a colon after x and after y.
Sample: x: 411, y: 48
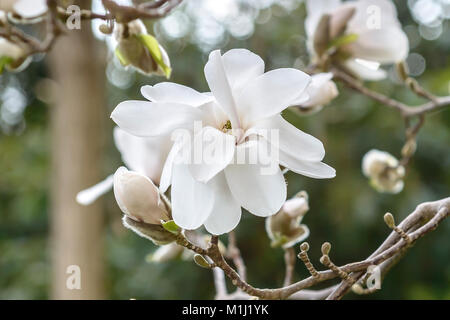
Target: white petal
x: 143, y: 155
x: 226, y: 213
x: 312, y: 169
x: 241, y: 66
x: 30, y: 8
x: 220, y: 86
x: 192, y: 201
x: 166, y: 175
x: 271, y: 93
x: 147, y: 119
x: 176, y: 93
x: 365, y: 71
x: 88, y: 196
x: 261, y: 194
x: 214, y: 150
x: 290, y: 139
x: 386, y: 45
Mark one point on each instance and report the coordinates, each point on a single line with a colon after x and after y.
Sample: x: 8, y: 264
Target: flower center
x: 227, y: 127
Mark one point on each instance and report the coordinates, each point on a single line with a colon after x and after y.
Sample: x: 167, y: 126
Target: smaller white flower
x: 284, y: 228
x: 138, y: 197
x: 384, y: 171
x: 320, y: 91
x: 368, y: 32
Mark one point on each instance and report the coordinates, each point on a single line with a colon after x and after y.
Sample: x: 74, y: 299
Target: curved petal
x: 257, y: 190
x: 213, y: 151
x: 312, y: 169
x: 146, y: 119
x: 365, y: 70
x: 386, y: 45
x: 88, y: 196
x: 166, y: 175
x: 289, y: 139
x: 241, y: 66
x: 192, y: 201
x: 143, y: 155
x: 220, y: 86
x: 271, y: 93
x: 226, y: 213
x: 176, y: 93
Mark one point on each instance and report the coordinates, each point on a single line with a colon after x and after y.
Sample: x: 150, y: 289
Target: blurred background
x: 56, y: 139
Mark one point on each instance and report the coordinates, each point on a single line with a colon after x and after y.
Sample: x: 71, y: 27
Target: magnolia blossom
x: 379, y: 38
x: 284, y: 228
x: 319, y: 93
x: 243, y: 106
x: 142, y: 155
x: 24, y: 8
x: 384, y: 171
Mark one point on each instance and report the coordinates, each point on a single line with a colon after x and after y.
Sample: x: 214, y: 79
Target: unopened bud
x: 304, y: 246
x: 389, y: 220
x: 201, y: 261
x: 326, y: 247
x: 138, y: 197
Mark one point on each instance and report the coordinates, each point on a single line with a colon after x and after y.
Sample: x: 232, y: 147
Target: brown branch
x: 235, y: 255
x: 425, y: 218
x: 289, y: 260
x: 407, y: 111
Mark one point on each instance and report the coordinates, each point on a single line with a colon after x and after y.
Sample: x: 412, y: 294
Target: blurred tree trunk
x: 77, y: 117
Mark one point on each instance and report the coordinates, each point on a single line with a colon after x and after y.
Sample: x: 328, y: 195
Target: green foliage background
x: 345, y: 211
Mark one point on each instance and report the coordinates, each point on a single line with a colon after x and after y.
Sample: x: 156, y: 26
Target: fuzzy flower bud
x: 384, y: 171
x: 139, y: 49
x: 140, y: 200
x: 284, y: 228
x: 321, y: 91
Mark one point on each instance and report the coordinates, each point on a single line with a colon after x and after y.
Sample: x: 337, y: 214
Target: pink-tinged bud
x: 138, y: 197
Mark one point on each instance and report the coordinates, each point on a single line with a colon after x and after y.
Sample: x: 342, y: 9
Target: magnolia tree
x: 193, y: 160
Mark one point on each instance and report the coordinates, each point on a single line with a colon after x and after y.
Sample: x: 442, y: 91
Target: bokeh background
x: 345, y: 211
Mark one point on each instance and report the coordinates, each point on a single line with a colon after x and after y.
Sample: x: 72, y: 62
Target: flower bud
x: 384, y: 171
x: 319, y: 92
x: 138, y: 197
x: 284, y: 228
x: 139, y: 49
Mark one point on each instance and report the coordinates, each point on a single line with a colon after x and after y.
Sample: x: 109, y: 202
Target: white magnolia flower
x: 143, y: 155
x: 319, y: 93
x: 379, y: 35
x: 138, y: 197
x: 384, y: 171
x: 24, y: 8
x: 244, y: 101
x: 284, y: 228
